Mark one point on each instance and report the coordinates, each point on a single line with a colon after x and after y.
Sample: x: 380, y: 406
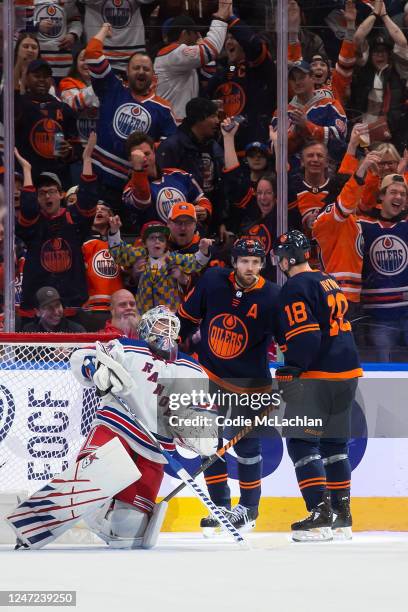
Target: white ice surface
x: 186, y: 573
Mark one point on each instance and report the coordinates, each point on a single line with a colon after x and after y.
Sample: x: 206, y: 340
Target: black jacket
x: 66, y: 327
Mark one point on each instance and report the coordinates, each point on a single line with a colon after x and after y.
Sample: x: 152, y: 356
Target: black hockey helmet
x: 247, y: 247
x: 294, y: 245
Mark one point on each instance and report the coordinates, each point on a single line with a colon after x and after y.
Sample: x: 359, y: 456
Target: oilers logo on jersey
x: 56, y: 14
x: 130, y: 118
x: 165, y: 200
x: 117, y: 12
x: 227, y: 336
x: 388, y: 255
x: 104, y: 265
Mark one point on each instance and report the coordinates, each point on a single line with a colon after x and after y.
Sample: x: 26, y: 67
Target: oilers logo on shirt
x: 42, y: 136
x: 233, y: 97
x: 227, y: 336
x: 104, y: 265
x: 165, y: 200
x: 117, y: 12
x: 56, y: 14
x: 87, y: 122
x: 389, y: 255
x: 131, y: 118
x: 262, y: 233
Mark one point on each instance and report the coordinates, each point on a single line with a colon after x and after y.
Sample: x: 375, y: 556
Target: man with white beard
x: 125, y: 316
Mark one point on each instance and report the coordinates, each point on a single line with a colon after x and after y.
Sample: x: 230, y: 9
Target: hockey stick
x: 219, y: 454
x: 182, y: 473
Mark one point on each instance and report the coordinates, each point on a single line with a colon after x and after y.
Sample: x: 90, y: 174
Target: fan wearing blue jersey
x: 235, y: 312
x: 151, y: 191
x: 317, y: 382
x: 123, y: 109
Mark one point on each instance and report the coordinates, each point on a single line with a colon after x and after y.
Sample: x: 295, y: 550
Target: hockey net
x: 45, y: 414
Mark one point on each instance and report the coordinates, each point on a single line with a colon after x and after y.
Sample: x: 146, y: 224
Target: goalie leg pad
x: 123, y: 526
x: 73, y: 495
x: 155, y: 524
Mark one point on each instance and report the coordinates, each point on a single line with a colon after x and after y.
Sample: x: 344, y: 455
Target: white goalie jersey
x: 153, y: 396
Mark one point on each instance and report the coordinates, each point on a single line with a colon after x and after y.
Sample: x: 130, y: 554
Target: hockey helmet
x: 160, y: 327
x: 293, y: 245
x: 247, y: 247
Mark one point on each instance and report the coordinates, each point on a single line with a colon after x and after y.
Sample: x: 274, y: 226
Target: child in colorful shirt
x: 158, y: 282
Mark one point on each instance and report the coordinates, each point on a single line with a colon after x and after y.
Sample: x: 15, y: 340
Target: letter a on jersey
x: 253, y: 311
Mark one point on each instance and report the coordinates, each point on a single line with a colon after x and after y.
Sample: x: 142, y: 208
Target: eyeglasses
x: 43, y: 193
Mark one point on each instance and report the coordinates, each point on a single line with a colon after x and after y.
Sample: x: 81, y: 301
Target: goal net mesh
x: 45, y: 414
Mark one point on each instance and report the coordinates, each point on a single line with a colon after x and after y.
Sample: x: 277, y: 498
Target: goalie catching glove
x: 289, y: 383
x: 195, y: 429
x: 110, y: 375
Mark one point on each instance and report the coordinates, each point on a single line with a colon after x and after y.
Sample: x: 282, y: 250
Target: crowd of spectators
x: 145, y: 138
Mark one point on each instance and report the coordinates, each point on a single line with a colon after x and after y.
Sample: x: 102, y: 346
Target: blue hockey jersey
x: 236, y: 328
x: 313, y: 330
x: 120, y: 114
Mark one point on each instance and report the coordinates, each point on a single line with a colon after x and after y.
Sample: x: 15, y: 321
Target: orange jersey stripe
x: 356, y: 373
x: 302, y: 330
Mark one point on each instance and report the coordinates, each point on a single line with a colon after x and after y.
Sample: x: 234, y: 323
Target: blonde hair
x: 387, y: 147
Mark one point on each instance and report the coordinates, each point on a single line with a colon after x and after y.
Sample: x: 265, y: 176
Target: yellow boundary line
x: 277, y: 513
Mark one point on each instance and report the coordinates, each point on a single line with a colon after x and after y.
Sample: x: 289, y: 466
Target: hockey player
x: 117, y: 474
x: 235, y: 311
x: 318, y: 380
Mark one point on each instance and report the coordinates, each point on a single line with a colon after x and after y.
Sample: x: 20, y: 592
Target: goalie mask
x: 159, y: 327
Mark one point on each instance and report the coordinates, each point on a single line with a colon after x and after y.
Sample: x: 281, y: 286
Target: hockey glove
x: 202, y: 437
x: 110, y: 375
x: 289, y: 384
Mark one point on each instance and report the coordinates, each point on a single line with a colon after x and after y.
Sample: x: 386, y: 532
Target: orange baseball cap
x: 180, y: 209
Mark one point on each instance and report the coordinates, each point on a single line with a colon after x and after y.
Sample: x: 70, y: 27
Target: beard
x: 245, y: 281
x: 128, y: 324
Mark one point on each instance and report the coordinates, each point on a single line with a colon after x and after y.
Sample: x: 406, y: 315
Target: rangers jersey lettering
x: 155, y: 380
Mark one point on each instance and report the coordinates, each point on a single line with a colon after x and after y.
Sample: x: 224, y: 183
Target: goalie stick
x: 176, y: 466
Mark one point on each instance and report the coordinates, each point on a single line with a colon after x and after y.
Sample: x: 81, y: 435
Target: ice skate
x: 342, y: 522
x: 317, y: 527
x: 241, y: 517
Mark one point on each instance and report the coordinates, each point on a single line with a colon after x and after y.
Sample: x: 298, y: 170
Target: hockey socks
x: 216, y: 479
x: 311, y: 477
x: 338, y: 474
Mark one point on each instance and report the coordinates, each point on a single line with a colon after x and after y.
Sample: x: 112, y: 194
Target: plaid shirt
x: 156, y: 285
